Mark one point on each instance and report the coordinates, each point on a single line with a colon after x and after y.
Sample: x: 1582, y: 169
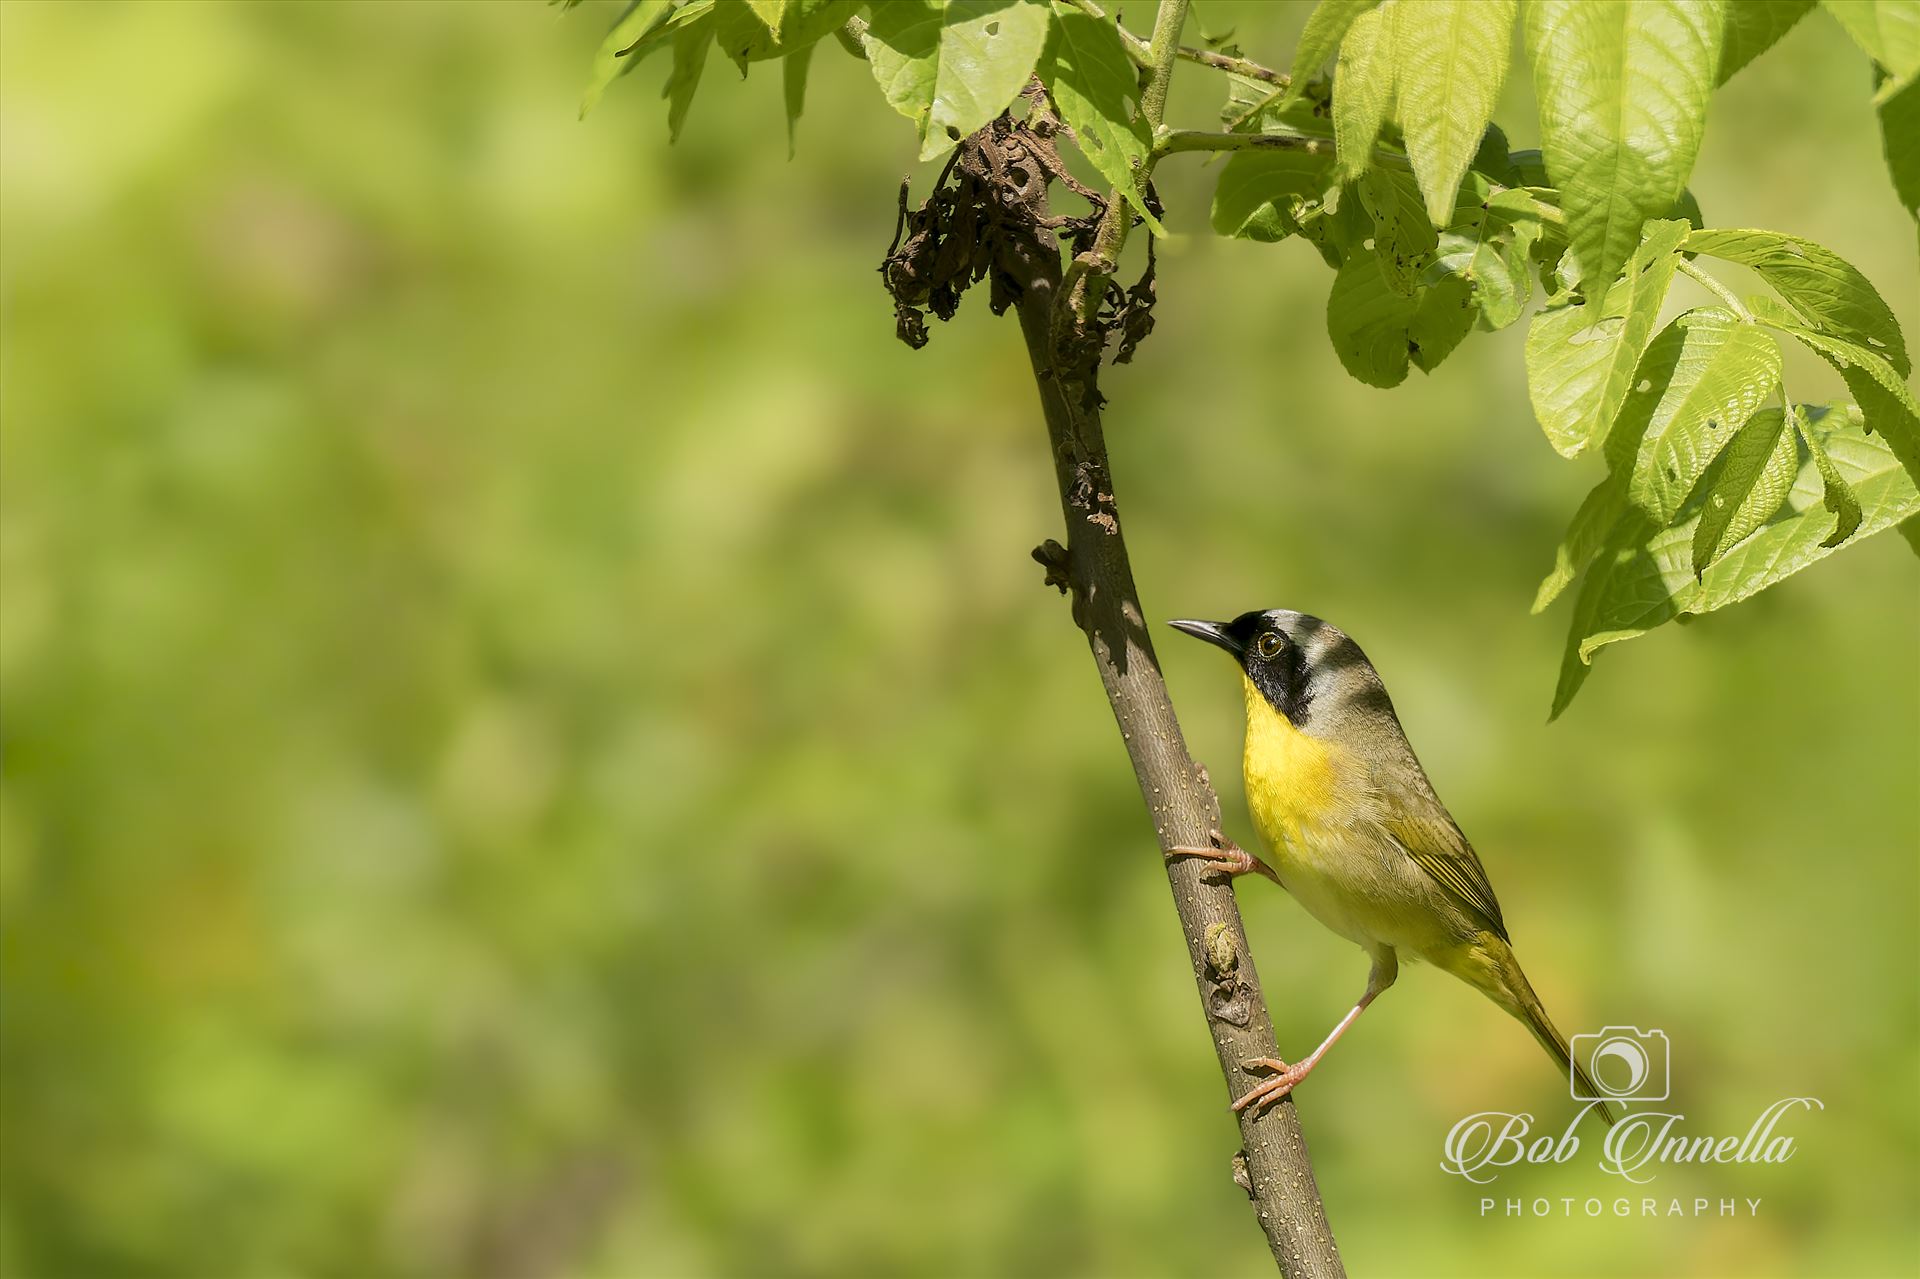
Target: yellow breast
x: 1293, y: 780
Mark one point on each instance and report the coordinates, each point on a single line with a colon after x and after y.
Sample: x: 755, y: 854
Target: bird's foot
x: 1224, y: 855
x: 1272, y: 1088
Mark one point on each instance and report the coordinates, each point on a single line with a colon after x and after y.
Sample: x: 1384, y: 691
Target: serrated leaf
x: 1747, y: 486
x: 1623, y: 88
x: 1368, y: 319
x: 1262, y: 195
x: 1580, y: 357
x: 1646, y: 578
x: 1363, y: 87
x: 745, y: 35
x: 793, y: 90
x: 1889, y: 31
x: 1830, y: 296
x: 1450, y: 59
x: 1899, y: 112
x: 1836, y: 495
x: 1320, y: 39
x: 1886, y: 403
x: 689, y: 60
x: 1753, y: 27
x: 1097, y: 88
x: 612, y: 60
x: 1705, y: 375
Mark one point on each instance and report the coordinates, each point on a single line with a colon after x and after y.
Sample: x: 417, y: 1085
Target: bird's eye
x: 1268, y: 645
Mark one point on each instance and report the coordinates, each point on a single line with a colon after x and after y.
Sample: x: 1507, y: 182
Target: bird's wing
x: 1421, y: 826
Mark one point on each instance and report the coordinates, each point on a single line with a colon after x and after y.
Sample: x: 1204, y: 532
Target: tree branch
x: 1000, y: 202
x: 1179, y: 796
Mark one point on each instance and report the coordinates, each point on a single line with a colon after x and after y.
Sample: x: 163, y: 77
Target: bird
x: 1356, y: 832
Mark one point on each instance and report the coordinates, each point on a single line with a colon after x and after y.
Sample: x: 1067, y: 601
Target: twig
x: 1718, y: 290
x: 1203, y: 140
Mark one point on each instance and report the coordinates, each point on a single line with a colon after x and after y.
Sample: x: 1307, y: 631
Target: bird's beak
x: 1211, y: 632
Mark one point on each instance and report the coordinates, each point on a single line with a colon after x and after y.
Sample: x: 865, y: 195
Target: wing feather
x: 1430, y: 837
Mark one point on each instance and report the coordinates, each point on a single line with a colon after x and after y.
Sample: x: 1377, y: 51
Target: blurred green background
x: 533, y: 745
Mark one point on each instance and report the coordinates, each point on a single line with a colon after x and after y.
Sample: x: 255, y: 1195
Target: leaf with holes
x: 1097, y: 88
x: 1490, y: 250
x: 1623, y: 90
x: 1745, y: 486
x: 1706, y: 374
x: 1580, y: 357
x: 1830, y: 296
x: 1368, y: 319
x: 951, y: 68
x: 1450, y: 58
x: 1363, y: 87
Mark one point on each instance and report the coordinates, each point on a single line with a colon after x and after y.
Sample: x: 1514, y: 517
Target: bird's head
x: 1307, y: 669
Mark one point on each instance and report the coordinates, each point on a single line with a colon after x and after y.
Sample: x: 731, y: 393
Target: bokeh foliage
x: 533, y: 746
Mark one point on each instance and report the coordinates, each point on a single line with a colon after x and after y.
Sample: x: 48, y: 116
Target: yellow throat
x: 1292, y: 779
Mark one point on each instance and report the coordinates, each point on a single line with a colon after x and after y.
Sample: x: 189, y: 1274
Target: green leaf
x: 1623, y: 88
x: 1889, y: 31
x: 1450, y: 60
x: 1753, y: 27
x: 1884, y: 400
x: 1900, y: 137
x: 1580, y: 357
x: 1097, y: 88
x: 641, y: 18
x: 951, y: 68
x: 1490, y: 253
x: 1836, y: 495
x: 1368, y: 320
x: 1748, y: 485
x: 1705, y: 375
x: 689, y: 60
x: 1363, y: 87
x: 793, y: 87
x: 1326, y: 27
x: 1645, y: 577
x: 1262, y: 195
x: 776, y: 28
x: 1442, y: 317
x: 1402, y: 236
x: 1830, y: 296
x: 1599, y: 511
x: 902, y: 42
x: 988, y: 48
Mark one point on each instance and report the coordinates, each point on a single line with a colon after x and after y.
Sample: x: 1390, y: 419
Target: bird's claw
x: 1271, y: 1089
x: 1224, y: 855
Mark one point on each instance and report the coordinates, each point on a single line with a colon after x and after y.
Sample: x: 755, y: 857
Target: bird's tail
x: 1513, y: 992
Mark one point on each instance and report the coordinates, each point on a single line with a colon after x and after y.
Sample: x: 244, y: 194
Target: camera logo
x: 1623, y: 1063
